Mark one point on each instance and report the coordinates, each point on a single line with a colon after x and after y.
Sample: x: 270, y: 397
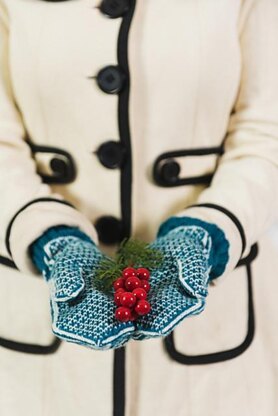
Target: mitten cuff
x: 37, y: 248
x: 219, y: 254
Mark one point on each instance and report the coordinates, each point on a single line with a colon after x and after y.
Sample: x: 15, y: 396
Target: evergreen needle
x: 131, y: 252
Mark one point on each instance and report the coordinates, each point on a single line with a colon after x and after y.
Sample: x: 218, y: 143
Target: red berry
x: 123, y: 314
x: 132, y: 283
x: 143, y: 307
x: 117, y: 297
x: 119, y: 283
x: 145, y: 285
x: 143, y: 273
x: 127, y: 299
x: 140, y: 293
x: 128, y: 272
x: 120, y: 290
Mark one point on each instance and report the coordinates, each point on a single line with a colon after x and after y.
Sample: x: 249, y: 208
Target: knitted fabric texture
x: 219, y: 254
x: 38, y: 249
x: 89, y: 319
x: 80, y: 312
x: 179, y: 286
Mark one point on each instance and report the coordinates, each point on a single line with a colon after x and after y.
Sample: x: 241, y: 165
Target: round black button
x: 59, y: 166
x: 114, y: 8
x: 111, y: 154
x: 169, y: 171
x: 111, y: 79
x: 109, y: 229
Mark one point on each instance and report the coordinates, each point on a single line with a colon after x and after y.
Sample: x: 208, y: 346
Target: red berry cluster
x: 130, y: 296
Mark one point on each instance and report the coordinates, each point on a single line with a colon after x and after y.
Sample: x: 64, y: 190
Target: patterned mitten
x: 194, y: 252
x: 68, y: 260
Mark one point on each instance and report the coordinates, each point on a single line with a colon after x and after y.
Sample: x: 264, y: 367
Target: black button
x: 59, y: 166
x: 170, y: 171
x: 109, y: 229
x: 111, y: 79
x: 114, y: 8
x: 111, y: 154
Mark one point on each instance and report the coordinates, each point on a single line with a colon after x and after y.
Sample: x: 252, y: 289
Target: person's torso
x: 184, y: 71
x: 165, y: 105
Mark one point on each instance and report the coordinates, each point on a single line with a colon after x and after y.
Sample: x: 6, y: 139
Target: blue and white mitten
x: 194, y: 252
x: 68, y: 260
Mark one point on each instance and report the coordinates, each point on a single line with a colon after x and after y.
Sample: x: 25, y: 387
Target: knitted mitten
x: 68, y: 260
x: 194, y: 252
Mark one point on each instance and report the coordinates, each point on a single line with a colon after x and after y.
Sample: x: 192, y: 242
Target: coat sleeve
x: 20, y: 186
x: 243, y: 196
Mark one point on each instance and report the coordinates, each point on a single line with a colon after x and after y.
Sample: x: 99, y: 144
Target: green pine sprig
x: 131, y: 252
x: 137, y: 253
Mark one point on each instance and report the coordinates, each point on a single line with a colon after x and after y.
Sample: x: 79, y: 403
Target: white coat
x: 186, y: 76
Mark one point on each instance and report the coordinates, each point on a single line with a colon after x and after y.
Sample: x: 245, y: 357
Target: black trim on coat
x: 170, y: 157
x: 250, y: 257
x: 55, y: 1
x: 119, y: 369
x: 22, y: 346
x: 30, y: 348
x: 7, y: 262
x: 220, y: 356
x: 119, y: 382
x: 34, y: 201
x: 123, y: 120
x: 62, y: 164
x: 229, y: 214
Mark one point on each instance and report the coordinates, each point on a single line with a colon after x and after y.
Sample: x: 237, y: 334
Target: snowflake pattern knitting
x: 179, y: 286
x: 80, y: 312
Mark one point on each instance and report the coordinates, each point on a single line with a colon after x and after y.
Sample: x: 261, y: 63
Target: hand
x: 80, y: 312
x: 179, y: 286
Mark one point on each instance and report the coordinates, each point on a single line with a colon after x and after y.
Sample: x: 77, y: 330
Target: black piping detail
x: 7, y: 262
x: 171, y: 157
x: 34, y: 201
x: 55, y: 1
x: 22, y: 346
x: 119, y: 370
x: 253, y: 254
x: 220, y: 356
x: 30, y: 348
x: 123, y: 121
x: 63, y: 167
x: 230, y: 215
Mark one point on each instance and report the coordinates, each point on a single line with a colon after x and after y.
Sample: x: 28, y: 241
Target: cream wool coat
x: 200, y: 71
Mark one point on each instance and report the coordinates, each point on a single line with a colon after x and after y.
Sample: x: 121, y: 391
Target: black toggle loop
x: 166, y: 168
x: 62, y: 164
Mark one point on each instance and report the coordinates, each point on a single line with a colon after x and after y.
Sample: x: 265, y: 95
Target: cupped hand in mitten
x: 180, y: 286
x: 81, y: 313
